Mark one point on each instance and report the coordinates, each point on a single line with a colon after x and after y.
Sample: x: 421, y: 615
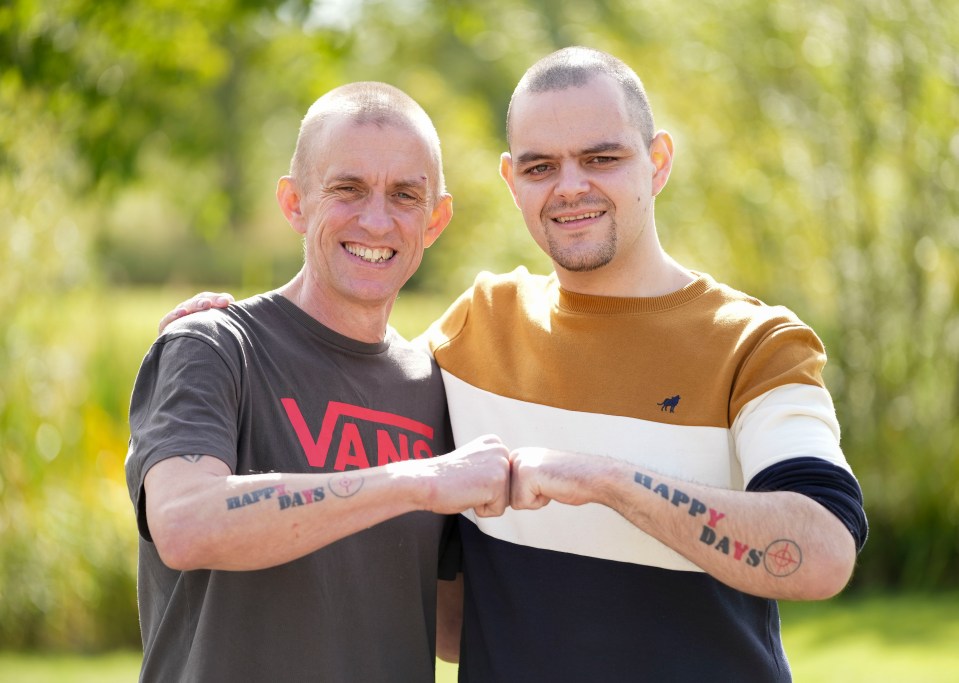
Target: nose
x: 374, y: 214
x: 571, y: 182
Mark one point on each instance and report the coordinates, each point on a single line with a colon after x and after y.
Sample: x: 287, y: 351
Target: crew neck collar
x: 574, y: 302
x: 330, y: 336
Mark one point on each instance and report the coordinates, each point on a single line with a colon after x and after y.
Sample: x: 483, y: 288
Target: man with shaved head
x: 675, y: 455
x: 286, y: 455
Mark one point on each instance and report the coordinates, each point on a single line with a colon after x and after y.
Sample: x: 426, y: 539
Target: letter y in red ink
x: 714, y: 517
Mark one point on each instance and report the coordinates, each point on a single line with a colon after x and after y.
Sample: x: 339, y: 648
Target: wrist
x: 414, y: 484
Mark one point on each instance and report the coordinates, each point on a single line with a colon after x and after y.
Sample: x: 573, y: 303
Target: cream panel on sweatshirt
x: 767, y: 430
x: 593, y: 530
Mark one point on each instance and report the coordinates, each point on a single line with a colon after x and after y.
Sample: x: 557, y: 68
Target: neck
x: 656, y: 274
x: 354, y: 319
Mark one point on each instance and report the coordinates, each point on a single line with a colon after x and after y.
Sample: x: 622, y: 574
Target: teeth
x: 371, y: 255
x: 582, y: 216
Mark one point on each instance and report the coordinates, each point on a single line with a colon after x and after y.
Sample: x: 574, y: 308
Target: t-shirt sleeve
x: 785, y: 429
x: 779, y: 405
x: 790, y: 421
x: 184, y: 402
x: 785, y: 351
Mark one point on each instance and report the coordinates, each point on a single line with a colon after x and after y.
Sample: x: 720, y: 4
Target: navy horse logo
x: 669, y: 403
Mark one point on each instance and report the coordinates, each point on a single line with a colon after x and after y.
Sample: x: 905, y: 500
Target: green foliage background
x: 140, y: 142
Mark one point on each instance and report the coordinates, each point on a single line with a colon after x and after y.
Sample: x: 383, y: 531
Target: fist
x: 526, y: 485
x: 539, y: 475
x: 475, y: 475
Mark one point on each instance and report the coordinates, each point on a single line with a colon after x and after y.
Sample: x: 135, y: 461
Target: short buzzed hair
x: 367, y: 102
x: 573, y: 67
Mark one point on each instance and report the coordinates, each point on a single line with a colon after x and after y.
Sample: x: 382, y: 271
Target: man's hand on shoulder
x: 198, y: 302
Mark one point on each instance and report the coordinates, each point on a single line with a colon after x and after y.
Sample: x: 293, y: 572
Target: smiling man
x: 286, y: 455
x: 676, y: 464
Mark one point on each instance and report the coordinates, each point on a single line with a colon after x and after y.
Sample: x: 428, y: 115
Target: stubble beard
x: 582, y: 258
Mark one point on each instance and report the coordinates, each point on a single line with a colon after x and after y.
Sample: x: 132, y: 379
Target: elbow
x: 176, y: 558
x: 448, y: 644
x: 832, y: 575
x: 833, y: 581
x: 448, y: 637
x: 178, y: 548
x: 448, y: 653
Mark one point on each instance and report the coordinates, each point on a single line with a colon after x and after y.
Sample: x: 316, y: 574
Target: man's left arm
x: 774, y: 544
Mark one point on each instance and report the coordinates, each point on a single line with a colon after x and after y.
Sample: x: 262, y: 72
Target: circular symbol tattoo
x: 782, y: 557
x: 346, y: 485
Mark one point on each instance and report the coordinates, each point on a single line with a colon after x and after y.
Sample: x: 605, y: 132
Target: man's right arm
x: 201, y: 516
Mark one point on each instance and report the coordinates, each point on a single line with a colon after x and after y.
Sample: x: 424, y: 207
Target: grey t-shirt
x: 265, y: 387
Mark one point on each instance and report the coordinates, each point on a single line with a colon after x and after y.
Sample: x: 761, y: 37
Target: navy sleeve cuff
x: 831, y: 486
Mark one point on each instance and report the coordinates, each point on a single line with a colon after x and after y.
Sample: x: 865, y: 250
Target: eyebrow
x: 599, y: 148
x: 412, y: 183
x: 605, y: 147
x: 346, y: 178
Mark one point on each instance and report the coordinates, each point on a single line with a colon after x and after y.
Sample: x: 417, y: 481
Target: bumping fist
x: 525, y: 487
x: 476, y: 475
x: 539, y: 475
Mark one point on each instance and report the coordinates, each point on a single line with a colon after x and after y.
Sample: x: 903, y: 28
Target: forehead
x: 375, y: 152
x: 570, y: 119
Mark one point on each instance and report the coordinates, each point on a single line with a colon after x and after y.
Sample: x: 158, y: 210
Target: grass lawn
x: 879, y: 639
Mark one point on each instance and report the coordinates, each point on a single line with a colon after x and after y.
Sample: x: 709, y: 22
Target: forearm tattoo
x: 342, y: 486
x: 345, y: 485
x: 780, y: 558
x: 285, y: 498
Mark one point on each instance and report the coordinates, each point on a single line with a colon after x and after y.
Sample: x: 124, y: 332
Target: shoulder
x: 223, y: 335
x: 738, y: 308
x: 502, y: 293
x: 220, y: 326
x: 755, y: 323
x: 413, y: 357
x: 516, y: 283
x: 772, y: 346
x: 491, y: 294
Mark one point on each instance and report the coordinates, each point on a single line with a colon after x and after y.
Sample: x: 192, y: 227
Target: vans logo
x: 397, y: 437
x: 669, y: 404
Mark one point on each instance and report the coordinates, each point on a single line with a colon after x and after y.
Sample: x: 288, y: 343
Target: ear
x: 506, y: 173
x: 439, y: 219
x: 288, y: 197
x: 661, y: 154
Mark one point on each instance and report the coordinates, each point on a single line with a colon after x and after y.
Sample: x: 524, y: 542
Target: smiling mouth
x: 378, y: 255
x: 579, y: 217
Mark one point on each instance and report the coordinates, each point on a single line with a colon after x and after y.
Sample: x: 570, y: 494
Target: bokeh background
x: 140, y: 141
